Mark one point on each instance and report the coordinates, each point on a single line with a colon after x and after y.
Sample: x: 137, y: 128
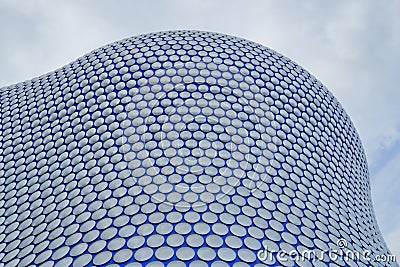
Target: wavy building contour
x: 181, y: 148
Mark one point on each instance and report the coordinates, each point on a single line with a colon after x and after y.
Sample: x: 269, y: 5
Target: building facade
x: 182, y: 148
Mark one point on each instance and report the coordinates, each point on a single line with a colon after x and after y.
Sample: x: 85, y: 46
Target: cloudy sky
x: 353, y: 47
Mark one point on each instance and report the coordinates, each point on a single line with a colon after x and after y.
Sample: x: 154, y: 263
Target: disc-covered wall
x: 181, y: 148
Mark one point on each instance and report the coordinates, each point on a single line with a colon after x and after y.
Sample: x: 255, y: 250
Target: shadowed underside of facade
x: 182, y: 148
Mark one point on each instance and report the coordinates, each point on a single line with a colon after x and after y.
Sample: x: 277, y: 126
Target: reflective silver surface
x: 180, y: 148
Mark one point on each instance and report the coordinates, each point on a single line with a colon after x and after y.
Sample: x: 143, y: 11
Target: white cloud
x: 393, y: 238
x: 385, y: 191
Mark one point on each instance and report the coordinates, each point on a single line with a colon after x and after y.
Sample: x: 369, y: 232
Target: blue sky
x: 353, y: 47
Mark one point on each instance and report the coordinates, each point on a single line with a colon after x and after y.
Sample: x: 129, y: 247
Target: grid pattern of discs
x: 179, y: 148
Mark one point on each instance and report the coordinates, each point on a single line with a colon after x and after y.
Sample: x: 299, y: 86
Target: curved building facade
x: 182, y: 148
